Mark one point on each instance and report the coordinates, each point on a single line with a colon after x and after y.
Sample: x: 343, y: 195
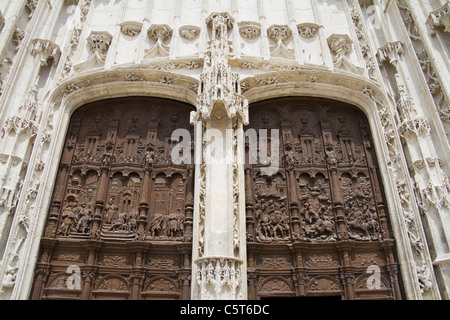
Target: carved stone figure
x: 111, y: 212
x: 69, y: 220
x: 84, y: 219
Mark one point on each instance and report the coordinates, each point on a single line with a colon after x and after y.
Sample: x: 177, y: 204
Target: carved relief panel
x: 120, y: 197
x: 323, y: 202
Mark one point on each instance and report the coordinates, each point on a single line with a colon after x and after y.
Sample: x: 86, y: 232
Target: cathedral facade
x: 224, y: 149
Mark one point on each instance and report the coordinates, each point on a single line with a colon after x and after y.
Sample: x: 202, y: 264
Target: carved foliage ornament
x: 308, y: 30
x: 99, y: 41
x: 340, y: 44
x: 159, y: 32
x: 249, y: 30
x: 223, y: 274
x: 189, y: 32
x: 131, y: 28
x: 279, y: 33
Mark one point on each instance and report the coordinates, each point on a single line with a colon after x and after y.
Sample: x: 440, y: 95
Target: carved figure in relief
x: 112, y: 212
x: 280, y: 225
x: 273, y: 222
x: 361, y: 222
x: 120, y: 223
x: 290, y: 158
x: 106, y: 159
x: 84, y: 219
x: 156, y: 225
x: 167, y: 225
x: 175, y: 224
x: 317, y: 220
x: 68, y: 220
x: 149, y: 157
x: 360, y: 214
x: 331, y: 156
x: 132, y: 221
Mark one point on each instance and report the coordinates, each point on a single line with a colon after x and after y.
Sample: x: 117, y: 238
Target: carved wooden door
x: 120, y: 222
x: 317, y: 226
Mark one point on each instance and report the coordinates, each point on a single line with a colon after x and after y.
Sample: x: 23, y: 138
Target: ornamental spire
x: 219, y: 92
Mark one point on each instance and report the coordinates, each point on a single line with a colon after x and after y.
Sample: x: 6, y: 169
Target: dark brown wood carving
x: 319, y: 225
x: 120, y: 222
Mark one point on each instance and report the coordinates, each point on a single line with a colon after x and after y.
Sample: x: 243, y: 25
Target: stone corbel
x: 98, y: 42
x: 308, y: 30
x: 341, y: 46
x: 131, y: 28
x: 159, y: 33
x: 249, y: 30
x: 47, y: 49
x: 439, y: 18
x: 391, y: 51
x: 189, y: 32
x: 225, y: 16
x: 280, y: 33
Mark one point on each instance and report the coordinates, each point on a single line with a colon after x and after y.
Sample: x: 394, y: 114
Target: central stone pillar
x: 219, y: 246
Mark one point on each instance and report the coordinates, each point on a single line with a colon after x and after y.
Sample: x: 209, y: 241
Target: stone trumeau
x: 230, y: 149
x: 219, y: 250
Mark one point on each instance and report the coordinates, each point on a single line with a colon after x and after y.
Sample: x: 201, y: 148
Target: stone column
x: 249, y: 205
x: 219, y: 252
